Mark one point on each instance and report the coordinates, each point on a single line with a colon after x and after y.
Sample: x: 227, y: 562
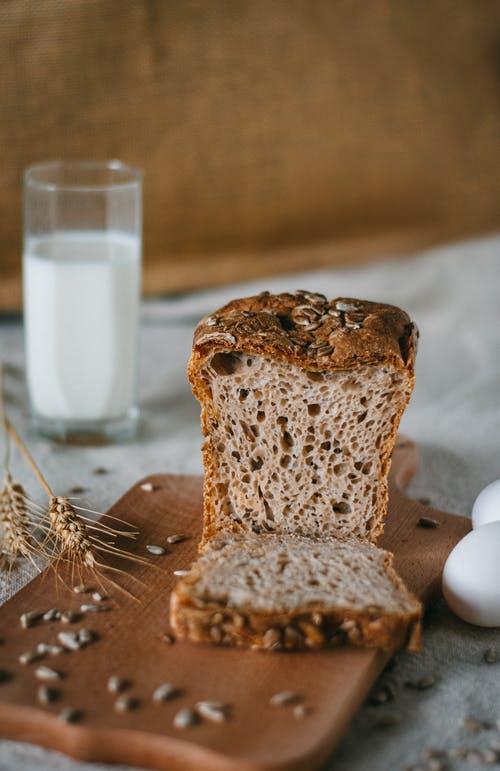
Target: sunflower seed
x: 346, y: 307
x: 46, y: 673
x: 85, y: 637
x: 283, y: 698
x: 490, y: 756
x: 176, y: 538
x: 53, y: 650
x: 381, y: 696
x: 126, y: 703
x: 421, y: 684
x: 215, y: 711
x: 168, y: 639
x: 164, y: 692
x: 46, y: 695
x: 147, y: 487
x: 117, y: 684
x: 52, y: 615
x: 70, y: 715
x: 94, y: 608
x: 97, y: 597
x: 30, y: 619
x: 153, y: 549
x: 300, y: 711
x: 474, y: 725
x: 185, y: 718
x: 81, y: 589
x: 100, y: 471
x: 181, y: 572
x: 69, y: 640
x: 428, y: 522
x: 29, y: 656
x: 77, y: 489
x: 69, y: 617
x: 492, y: 656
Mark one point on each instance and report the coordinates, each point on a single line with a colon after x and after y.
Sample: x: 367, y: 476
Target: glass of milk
x: 81, y: 281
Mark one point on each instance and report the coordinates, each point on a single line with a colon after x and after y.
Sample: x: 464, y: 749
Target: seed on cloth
x: 492, y: 656
x: 428, y: 522
x: 177, y: 538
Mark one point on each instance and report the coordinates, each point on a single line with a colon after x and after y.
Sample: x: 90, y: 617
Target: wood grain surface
x: 257, y: 736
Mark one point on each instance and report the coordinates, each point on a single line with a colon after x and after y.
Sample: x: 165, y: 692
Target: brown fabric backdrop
x: 273, y: 135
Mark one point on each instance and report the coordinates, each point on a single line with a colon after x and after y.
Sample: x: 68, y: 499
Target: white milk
x: 81, y: 306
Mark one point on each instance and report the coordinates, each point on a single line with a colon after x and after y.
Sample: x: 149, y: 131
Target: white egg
x: 487, y: 505
x: 471, y: 576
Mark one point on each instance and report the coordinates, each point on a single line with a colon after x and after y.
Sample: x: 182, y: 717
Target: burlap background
x: 273, y: 135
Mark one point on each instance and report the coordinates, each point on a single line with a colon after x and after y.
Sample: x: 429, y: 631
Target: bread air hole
x: 225, y: 363
x: 313, y: 409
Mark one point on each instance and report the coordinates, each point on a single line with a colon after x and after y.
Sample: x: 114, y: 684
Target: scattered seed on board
x: 97, y: 597
x: 176, y: 538
x: 30, y: 656
x: 46, y: 695
x: 46, y: 673
x: 283, y: 698
x: 214, y: 711
x: 69, y: 617
x: 185, y: 718
x: 168, y: 639
x: 70, y: 715
x: 153, y: 549
x: 81, y: 589
x: 117, y: 684
x: 181, y: 572
x: 165, y: 692
x: 148, y: 487
x: 428, y: 522
x: 94, y: 608
x: 85, y: 637
x: 69, y: 640
x: 300, y: 711
x: 52, y: 615
x: 492, y: 656
x: 30, y: 619
x: 126, y: 703
x: 51, y: 650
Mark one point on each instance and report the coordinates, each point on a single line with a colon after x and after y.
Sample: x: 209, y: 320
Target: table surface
x: 454, y: 416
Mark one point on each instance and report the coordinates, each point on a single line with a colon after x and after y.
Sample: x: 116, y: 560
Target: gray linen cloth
x: 453, y: 294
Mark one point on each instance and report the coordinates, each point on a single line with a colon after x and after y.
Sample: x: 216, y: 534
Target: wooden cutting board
x: 333, y: 683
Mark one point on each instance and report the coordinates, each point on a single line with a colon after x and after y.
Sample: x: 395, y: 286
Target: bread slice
x: 292, y: 592
x: 301, y: 401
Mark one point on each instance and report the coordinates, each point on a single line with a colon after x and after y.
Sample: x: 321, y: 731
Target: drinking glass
x: 81, y: 283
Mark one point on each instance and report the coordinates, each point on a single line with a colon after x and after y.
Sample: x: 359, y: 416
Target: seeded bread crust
x: 308, y: 330
x: 319, y: 625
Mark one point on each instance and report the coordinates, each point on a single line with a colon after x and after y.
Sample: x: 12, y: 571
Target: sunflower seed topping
x: 154, y: 549
x: 185, y: 718
x: 346, y: 307
x: 94, y: 608
x: 81, y: 589
x: 147, y: 487
x: 85, y: 637
x: 97, y: 597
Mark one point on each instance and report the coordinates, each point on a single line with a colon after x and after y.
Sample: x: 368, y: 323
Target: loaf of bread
x: 301, y: 400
